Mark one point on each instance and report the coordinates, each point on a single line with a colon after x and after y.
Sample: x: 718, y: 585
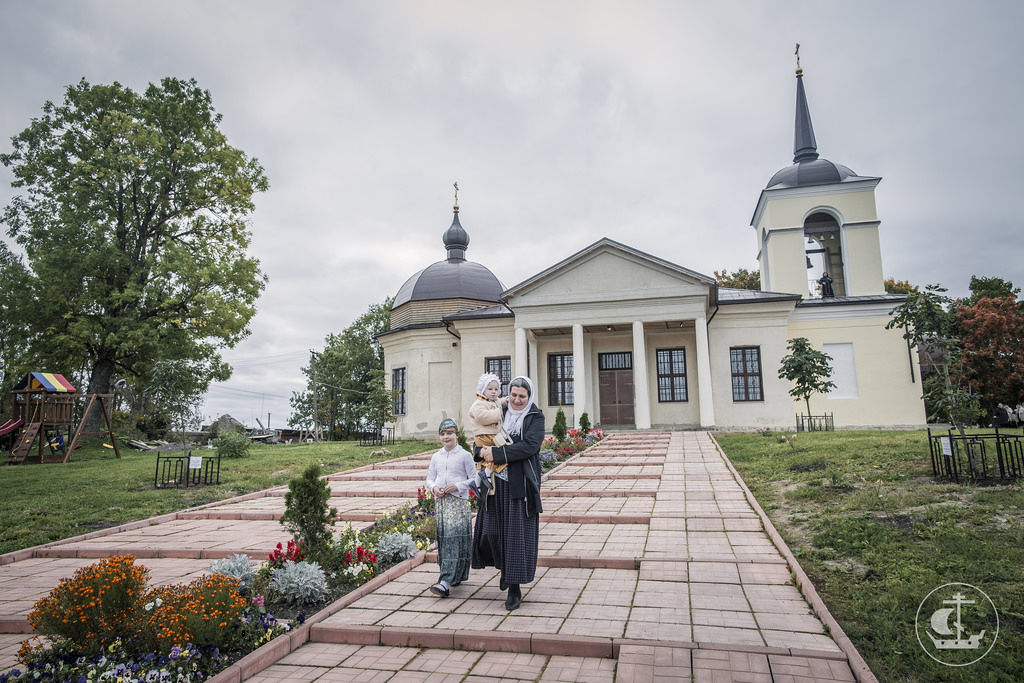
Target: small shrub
x: 205, y: 612
x: 300, y: 584
x: 239, y: 566
x: 233, y: 444
x: 559, y: 429
x: 585, y: 423
x: 394, y: 547
x: 307, y: 514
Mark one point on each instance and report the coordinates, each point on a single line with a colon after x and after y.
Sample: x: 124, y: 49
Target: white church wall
x: 888, y: 378
x: 676, y: 414
x: 764, y: 326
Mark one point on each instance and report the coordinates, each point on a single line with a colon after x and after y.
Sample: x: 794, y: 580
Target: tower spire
x: 805, y: 147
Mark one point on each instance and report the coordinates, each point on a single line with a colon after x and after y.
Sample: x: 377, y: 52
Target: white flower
x: 148, y: 607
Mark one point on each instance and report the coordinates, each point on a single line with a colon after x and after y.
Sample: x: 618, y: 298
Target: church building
x: 639, y: 342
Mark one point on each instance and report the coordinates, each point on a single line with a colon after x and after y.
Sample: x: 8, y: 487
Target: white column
x: 707, y: 399
x: 531, y: 339
x: 641, y: 387
x: 520, y: 361
x: 579, y: 373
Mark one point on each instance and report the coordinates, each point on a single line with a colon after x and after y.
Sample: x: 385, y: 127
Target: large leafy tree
x: 808, y: 369
x: 992, y: 335
x: 133, y: 221
x: 349, y: 389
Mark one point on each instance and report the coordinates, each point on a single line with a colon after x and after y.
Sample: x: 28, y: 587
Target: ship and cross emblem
x: 940, y: 624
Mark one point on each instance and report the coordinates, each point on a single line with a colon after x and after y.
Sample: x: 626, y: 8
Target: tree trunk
x: 101, y: 382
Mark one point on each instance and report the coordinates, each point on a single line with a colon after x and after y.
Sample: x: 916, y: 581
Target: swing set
x: 43, y: 412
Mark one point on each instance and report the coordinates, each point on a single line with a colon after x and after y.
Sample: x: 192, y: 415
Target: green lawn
x: 43, y: 503
x: 876, y: 533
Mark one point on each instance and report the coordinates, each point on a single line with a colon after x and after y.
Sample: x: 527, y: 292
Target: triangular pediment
x: 608, y: 271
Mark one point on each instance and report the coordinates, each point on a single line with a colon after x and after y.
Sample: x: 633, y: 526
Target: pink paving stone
x: 712, y: 666
x: 319, y: 654
x: 653, y: 570
x: 807, y: 669
x: 806, y: 622
x: 472, y: 622
x: 714, y: 572
x: 571, y: 669
x: 510, y: 665
x: 659, y: 631
x: 354, y: 675
x: 381, y: 657
x: 726, y: 635
x: 280, y: 673
x: 593, y: 627
x: 712, y: 617
x: 764, y: 573
x: 445, y: 661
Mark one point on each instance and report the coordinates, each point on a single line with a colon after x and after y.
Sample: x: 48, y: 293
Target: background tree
x: 13, y: 330
x: 179, y: 386
x: 349, y: 376
x: 991, y: 288
x: 740, y: 279
x: 929, y: 324
x: 894, y: 286
x: 992, y: 335
x: 808, y: 369
x: 133, y: 222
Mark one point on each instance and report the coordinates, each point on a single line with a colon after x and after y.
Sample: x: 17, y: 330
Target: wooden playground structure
x: 43, y: 411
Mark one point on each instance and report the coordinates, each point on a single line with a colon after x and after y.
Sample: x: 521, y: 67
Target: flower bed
x: 553, y: 451
x: 106, y: 623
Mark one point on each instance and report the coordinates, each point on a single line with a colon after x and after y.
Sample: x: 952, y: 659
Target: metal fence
x: 815, y: 423
x: 976, y: 456
x: 185, y: 470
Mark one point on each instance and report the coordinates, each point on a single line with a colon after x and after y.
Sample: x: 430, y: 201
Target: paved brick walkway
x: 654, y: 565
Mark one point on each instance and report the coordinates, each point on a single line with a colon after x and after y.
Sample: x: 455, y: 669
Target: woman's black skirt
x: 505, y: 538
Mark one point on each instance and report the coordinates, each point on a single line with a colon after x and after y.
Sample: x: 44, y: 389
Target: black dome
x: 454, y: 278
x: 811, y: 172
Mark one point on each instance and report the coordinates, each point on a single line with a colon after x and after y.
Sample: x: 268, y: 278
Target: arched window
x: 824, y: 252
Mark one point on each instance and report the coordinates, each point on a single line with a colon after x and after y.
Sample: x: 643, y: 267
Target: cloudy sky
x: 653, y: 123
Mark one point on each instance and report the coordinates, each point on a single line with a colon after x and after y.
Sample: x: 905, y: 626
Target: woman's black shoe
x: 515, y: 597
x: 502, y: 585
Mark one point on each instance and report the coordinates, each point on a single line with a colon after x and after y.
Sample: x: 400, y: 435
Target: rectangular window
x: 398, y: 386
x: 621, y: 360
x: 560, y: 387
x: 502, y: 367
x: 671, y: 375
x: 745, y: 363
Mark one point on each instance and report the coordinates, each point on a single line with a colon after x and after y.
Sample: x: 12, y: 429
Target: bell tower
x: 816, y: 217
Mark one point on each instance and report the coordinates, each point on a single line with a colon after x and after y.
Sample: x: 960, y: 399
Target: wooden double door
x: 615, y: 388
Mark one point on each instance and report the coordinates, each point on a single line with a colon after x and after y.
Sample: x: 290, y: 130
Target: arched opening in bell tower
x: 824, y: 255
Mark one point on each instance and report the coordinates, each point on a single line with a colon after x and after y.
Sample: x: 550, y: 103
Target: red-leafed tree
x: 992, y: 335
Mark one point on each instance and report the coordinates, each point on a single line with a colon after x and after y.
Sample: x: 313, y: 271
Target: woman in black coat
x: 507, y: 524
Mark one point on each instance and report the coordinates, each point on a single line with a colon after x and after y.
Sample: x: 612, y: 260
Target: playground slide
x: 10, y: 426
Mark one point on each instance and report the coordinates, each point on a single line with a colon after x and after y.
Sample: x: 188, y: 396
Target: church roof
x: 453, y: 278
x: 807, y: 169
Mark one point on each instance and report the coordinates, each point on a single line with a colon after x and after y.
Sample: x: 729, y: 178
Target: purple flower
x: 175, y: 652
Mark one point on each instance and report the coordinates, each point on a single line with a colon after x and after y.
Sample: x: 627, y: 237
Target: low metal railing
x: 815, y: 423
x: 185, y: 470
x: 976, y: 455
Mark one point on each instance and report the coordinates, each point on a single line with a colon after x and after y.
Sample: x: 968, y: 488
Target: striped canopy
x: 49, y: 382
